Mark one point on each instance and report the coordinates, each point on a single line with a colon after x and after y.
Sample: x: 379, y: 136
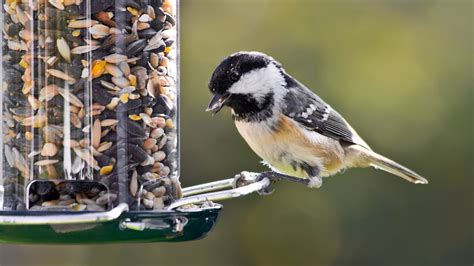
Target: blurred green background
x: 400, y: 71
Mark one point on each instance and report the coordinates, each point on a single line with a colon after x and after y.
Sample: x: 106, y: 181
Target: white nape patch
x: 260, y: 82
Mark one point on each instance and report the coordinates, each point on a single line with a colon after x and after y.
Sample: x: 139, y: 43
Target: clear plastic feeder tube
x: 89, y: 104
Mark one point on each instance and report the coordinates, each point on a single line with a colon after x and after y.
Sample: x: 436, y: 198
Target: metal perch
x: 243, y: 184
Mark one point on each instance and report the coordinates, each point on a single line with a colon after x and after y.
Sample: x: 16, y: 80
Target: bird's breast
x: 284, y: 144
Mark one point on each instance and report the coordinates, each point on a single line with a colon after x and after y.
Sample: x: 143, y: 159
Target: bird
x: 294, y: 131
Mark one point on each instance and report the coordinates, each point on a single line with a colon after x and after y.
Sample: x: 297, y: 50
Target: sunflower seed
x: 130, y: 105
x: 46, y: 162
x: 125, y: 68
x: 154, y: 60
x: 149, y: 143
x: 64, y: 49
x: 49, y: 150
x: 99, y: 30
x: 17, y: 46
x: 61, y: 75
x: 84, y: 49
x: 96, y: 134
x: 159, y: 156
x: 104, y: 146
x: 113, y: 70
x: 144, y: 18
x: 157, y: 133
x: 109, y: 122
x: 121, y: 82
x: 68, y: 96
x: 75, y: 121
x: 115, y: 58
x: 155, y: 43
x: 57, y: 4
x: 87, y: 157
x: 35, y: 104
x: 76, y: 165
x: 9, y: 155
x: 132, y: 128
x: 135, y: 47
x: 134, y: 183
x: 47, y: 93
x: 20, y: 163
x: 70, y: 143
x: 79, y: 24
x: 148, y: 121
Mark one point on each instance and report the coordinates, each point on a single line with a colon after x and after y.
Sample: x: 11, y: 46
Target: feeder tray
x: 189, y: 218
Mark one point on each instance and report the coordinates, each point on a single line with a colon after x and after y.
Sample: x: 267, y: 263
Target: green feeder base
x: 169, y: 226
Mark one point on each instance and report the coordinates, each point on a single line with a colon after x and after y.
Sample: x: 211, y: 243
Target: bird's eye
x: 234, y: 75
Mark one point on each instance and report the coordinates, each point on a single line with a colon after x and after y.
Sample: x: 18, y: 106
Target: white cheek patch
x: 260, y: 82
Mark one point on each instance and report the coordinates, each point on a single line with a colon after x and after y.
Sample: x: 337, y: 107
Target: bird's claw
x: 268, y: 189
x: 246, y: 178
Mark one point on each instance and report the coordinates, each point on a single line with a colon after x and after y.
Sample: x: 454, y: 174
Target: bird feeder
x: 90, y: 137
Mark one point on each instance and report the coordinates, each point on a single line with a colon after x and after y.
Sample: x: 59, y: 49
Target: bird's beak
x: 217, y: 102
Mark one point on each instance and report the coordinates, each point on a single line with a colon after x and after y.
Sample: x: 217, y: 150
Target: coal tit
x: 293, y: 130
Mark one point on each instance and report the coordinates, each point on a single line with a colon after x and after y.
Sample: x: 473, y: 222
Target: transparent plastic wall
x: 89, y: 104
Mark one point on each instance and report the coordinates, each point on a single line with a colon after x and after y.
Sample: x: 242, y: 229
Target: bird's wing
x: 306, y: 108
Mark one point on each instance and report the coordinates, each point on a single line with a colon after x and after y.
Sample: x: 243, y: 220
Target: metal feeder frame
x: 189, y: 218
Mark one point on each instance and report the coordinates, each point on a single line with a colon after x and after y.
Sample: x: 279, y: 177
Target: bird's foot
x: 273, y: 179
x: 246, y: 178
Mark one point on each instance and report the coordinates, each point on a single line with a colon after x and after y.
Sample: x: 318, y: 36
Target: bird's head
x: 247, y: 82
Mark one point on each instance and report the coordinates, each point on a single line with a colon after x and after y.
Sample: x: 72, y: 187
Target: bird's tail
x: 371, y: 158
